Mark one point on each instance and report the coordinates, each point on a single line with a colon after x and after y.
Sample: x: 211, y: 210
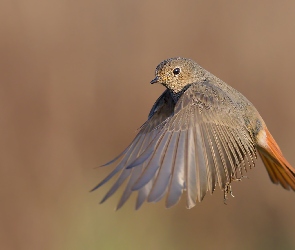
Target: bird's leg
x: 227, y: 190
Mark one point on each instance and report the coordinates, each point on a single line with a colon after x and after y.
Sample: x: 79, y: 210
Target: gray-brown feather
x: 194, y: 145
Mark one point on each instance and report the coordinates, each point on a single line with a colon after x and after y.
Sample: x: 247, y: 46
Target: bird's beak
x: 156, y: 80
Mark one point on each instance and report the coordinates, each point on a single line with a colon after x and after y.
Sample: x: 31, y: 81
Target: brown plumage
x: 200, y: 133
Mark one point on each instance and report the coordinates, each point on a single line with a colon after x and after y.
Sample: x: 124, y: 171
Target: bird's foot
x: 240, y: 178
x: 227, y: 190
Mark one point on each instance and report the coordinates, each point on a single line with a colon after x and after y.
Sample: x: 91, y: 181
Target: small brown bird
x: 200, y: 132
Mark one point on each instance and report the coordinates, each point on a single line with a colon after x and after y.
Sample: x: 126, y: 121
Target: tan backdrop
x: 74, y: 87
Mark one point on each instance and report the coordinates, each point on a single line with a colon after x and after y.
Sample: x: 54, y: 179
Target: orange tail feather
x: 278, y: 168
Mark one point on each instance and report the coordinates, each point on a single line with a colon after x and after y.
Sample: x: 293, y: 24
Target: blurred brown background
x: 74, y: 87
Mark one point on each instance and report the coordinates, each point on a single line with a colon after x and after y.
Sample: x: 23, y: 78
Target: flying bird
x: 200, y: 133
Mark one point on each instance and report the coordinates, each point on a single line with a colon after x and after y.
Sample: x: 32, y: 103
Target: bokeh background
x: 74, y: 87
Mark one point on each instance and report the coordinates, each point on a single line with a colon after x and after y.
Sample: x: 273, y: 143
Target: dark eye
x: 176, y: 71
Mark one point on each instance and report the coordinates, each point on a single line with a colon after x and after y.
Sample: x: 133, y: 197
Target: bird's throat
x: 176, y: 95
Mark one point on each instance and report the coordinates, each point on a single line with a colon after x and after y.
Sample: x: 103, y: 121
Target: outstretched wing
x: 202, y: 143
x: 140, y: 148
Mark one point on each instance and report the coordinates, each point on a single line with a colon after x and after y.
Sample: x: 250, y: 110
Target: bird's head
x: 176, y: 73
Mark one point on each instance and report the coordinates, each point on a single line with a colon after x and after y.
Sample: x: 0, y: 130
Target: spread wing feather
x: 193, y: 146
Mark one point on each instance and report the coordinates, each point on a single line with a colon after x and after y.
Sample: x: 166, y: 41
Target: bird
x: 200, y: 134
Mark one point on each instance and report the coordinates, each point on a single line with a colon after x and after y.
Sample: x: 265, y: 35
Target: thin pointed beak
x: 156, y: 80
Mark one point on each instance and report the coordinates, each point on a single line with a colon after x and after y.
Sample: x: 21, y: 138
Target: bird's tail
x: 278, y: 168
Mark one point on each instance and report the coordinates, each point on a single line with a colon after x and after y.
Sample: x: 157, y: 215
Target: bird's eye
x: 176, y: 71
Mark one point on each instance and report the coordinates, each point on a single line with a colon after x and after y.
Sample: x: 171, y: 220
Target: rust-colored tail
x: 278, y: 168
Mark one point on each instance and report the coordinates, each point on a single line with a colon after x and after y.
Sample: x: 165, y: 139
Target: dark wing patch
x: 192, y: 147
